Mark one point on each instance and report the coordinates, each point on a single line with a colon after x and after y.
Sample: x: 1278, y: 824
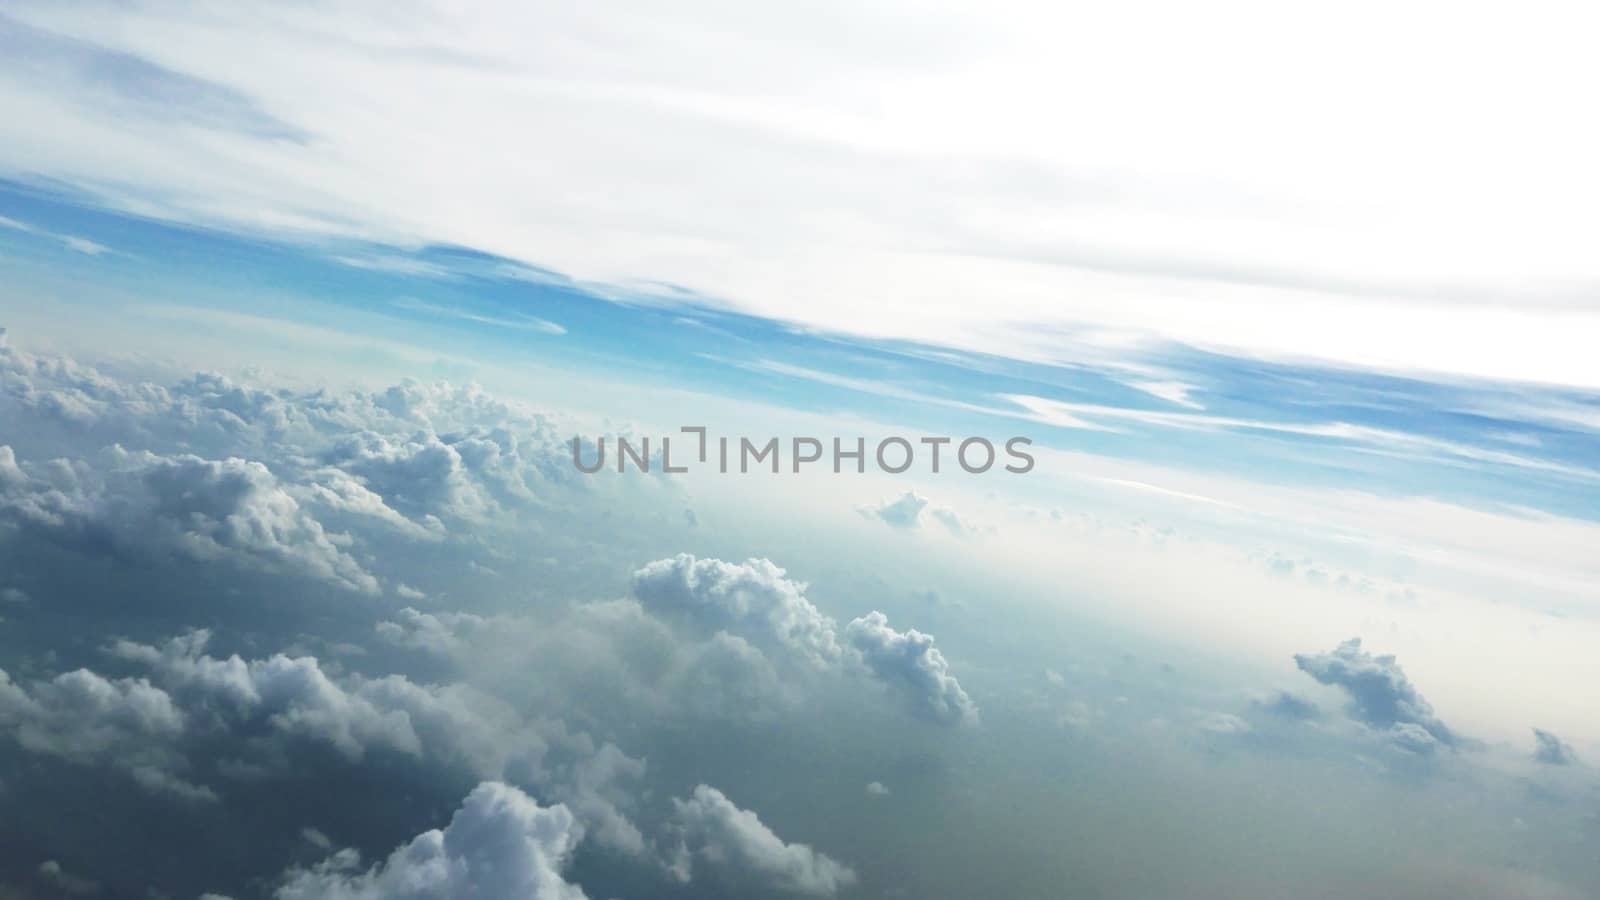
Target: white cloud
x: 752, y: 599
x: 339, y: 490
x: 515, y: 323
x: 443, y: 634
x: 90, y: 720
x: 755, y: 601
x: 628, y: 661
x: 454, y: 725
x: 500, y: 845
x: 145, y: 726
x: 1174, y: 392
x: 909, y: 663
x: 1396, y: 443
x: 70, y: 241
x: 231, y: 510
x: 85, y: 246
x: 296, y: 697
x: 911, y: 509
x: 735, y: 841
x: 266, y: 467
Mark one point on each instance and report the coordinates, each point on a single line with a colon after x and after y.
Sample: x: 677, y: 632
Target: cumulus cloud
x: 904, y: 511
x: 736, y: 842
x: 144, y: 726
x: 442, y: 634
x: 911, y: 509
x: 339, y: 490
x: 755, y: 602
x: 910, y: 664
x: 295, y: 696
x: 500, y: 845
x: 1552, y: 750
x: 90, y: 720
x: 424, y: 475
x: 1380, y: 695
x: 618, y: 655
x: 752, y: 599
x: 409, y: 456
x: 138, y: 502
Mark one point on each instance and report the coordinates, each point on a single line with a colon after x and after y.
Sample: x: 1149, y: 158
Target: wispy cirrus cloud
x: 1195, y: 220
x: 70, y: 241
x: 518, y: 323
x: 1378, y: 440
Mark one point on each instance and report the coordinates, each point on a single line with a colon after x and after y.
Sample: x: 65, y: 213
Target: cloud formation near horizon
x: 1380, y: 695
x: 911, y: 509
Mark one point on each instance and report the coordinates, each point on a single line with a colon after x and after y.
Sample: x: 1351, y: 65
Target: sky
x: 305, y: 306
x: 1397, y: 187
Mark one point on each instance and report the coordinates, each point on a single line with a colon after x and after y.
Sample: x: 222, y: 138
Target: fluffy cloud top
x: 87, y: 719
x: 200, y: 509
x: 751, y: 599
x: 754, y: 601
x: 148, y: 727
x: 909, y: 663
x: 409, y: 455
x: 142, y: 726
x: 736, y: 841
x: 1380, y: 694
x: 500, y: 845
x: 442, y: 634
